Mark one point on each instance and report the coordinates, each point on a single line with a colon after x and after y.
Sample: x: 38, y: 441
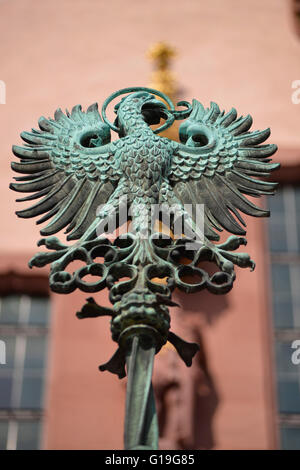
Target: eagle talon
x: 225, y: 258
x: 232, y: 243
x: 41, y: 259
x: 253, y: 265
x: 52, y: 243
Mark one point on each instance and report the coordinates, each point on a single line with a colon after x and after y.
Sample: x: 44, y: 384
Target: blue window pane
x: 3, y: 434
x: 288, y: 384
x: 28, y: 435
x: 32, y: 387
x: 6, y: 372
x: 9, y: 311
x: 297, y: 197
x: 283, y: 312
x: 281, y: 278
x: 290, y: 438
x: 277, y: 230
x: 32, y: 392
x: 39, y: 311
x: 289, y: 397
x: 277, y: 235
x: 276, y: 202
x: 6, y: 390
x: 35, y: 352
x: 295, y: 279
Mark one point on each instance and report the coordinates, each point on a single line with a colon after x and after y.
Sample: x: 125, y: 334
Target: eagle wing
x: 70, y: 167
x: 217, y: 162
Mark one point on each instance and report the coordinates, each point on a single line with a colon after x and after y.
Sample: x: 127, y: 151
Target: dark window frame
x: 288, y: 422
x: 27, y: 421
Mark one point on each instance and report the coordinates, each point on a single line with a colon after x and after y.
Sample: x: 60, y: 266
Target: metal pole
x: 141, y: 426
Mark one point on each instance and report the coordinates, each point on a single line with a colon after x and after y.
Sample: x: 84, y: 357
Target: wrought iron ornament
x: 73, y: 168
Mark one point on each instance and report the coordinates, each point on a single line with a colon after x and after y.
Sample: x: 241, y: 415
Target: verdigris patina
x: 88, y: 184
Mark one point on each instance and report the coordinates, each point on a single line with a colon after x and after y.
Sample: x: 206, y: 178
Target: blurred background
x: 243, y: 390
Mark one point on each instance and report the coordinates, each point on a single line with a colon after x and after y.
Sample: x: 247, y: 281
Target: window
x: 284, y: 236
x: 24, y: 331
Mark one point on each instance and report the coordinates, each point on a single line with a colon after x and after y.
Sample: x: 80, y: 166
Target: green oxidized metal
x: 84, y: 182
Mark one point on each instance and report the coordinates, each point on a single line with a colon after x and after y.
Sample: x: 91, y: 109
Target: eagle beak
x: 153, y: 110
x: 156, y: 103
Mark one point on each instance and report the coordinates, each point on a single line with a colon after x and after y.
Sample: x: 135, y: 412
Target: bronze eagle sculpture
x: 83, y: 181
x: 72, y: 167
x: 90, y: 186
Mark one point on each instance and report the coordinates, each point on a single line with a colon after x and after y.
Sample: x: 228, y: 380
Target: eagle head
x: 139, y: 108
